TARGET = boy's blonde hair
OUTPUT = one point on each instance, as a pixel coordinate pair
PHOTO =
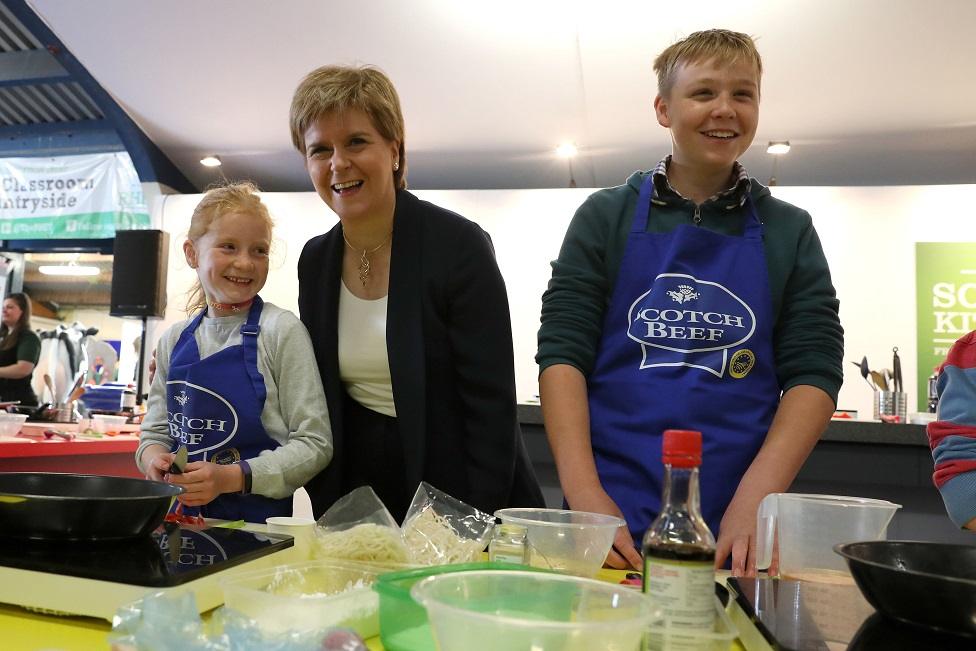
(222, 200)
(723, 45)
(336, 88)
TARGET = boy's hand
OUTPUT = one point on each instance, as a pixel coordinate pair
(737, 537)
(623, 555)
(203, 481)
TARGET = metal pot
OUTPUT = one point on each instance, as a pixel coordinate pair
(923, 583)
(57, 506)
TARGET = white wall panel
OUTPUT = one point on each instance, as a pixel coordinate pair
(868, 233)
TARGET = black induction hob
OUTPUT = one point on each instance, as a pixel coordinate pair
(807, 616)
(149, 561)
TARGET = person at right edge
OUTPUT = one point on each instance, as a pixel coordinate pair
(952, 436)
(690, 298)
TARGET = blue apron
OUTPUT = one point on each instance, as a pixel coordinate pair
(687, 344)
(214, 408)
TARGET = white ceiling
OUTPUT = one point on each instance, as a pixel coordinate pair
(869, 92)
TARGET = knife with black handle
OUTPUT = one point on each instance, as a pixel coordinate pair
(896, 369)
(179, 461)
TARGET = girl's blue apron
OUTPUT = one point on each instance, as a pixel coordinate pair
(214, 407)
(687, 344)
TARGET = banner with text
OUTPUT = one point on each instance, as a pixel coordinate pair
(945, 285)
(70, 197)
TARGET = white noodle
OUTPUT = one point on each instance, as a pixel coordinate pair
(364, 542)
(433, 541)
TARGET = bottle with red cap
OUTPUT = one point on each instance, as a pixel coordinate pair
(679, 550)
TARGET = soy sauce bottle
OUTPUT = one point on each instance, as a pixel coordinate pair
(679, 550)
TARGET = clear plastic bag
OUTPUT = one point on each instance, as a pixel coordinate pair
(440, 529)
(165, 623)
(359, 528)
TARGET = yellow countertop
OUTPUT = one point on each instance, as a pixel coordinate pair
(24, 630)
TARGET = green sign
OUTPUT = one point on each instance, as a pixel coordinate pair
(89, 196)
(945, 284)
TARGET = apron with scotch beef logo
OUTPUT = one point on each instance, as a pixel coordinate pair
(687, 344)
(214, 408)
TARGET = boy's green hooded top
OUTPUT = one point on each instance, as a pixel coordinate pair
(808, 339)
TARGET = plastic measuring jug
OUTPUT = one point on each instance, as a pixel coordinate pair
(806, 528)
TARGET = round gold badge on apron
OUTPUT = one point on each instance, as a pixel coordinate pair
(741, 363)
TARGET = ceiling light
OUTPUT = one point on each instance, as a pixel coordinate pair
(778, 147)
(68, 270)
(566, 150)
(210, 161)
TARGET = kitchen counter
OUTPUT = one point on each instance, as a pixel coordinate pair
(853, 457)
(29, 451)
(838, 430)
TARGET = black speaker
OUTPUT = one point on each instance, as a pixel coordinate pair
(139, 273)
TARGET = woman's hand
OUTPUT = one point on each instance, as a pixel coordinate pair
(202, 481)
(623, 554)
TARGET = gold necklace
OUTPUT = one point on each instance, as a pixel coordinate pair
(364, 265)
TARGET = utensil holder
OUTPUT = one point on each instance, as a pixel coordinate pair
(66, 413)
(891, 406)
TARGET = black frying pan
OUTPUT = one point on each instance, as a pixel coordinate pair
(56, 506)
(924, 583)
(42, 412)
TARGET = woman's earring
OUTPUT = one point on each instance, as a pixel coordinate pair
(396, 165)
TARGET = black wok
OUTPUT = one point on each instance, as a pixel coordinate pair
(56, 506)
(923, 583)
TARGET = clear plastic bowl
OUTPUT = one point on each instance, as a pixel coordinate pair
(10, 424)
(491, 610)
(575, 542)
(307, 597)
(404, 625)
(106, 424)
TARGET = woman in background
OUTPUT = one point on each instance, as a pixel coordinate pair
(408, 315)
(20, 348)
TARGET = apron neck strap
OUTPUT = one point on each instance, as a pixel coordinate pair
(249, 348)
(643, 205)
(752, 230)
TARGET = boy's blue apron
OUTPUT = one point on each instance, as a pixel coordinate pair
(214, 408)
(687, 344)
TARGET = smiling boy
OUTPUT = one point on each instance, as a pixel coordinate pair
(695, 245)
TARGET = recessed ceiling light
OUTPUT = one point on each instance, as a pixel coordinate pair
(67, 270)
(566, 150)
(778, 147)
(210, 161)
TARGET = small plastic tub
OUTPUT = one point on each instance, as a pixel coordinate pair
(662, 638)
(307, 597)
(403, 622)
(10, 424)
(491, 610)
(574, 542)
(106, 424)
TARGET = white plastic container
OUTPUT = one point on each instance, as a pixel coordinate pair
(307, 597)
(107, 424)
(301, 529)
(489, 610)
(574, 542)
(10, 424)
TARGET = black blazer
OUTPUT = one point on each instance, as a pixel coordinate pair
(449, 340)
